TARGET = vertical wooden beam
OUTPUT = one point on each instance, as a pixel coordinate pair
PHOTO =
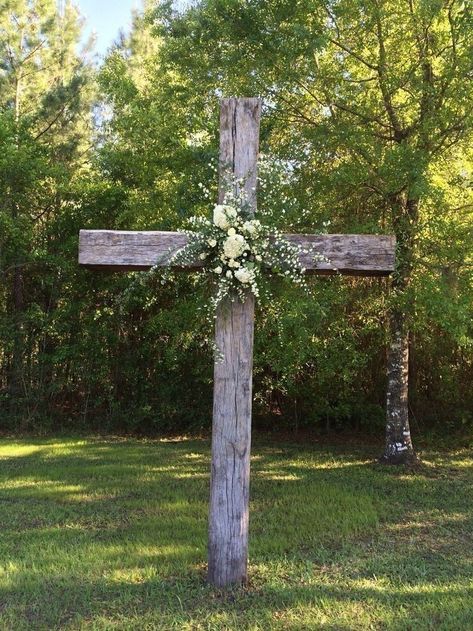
(231, 428)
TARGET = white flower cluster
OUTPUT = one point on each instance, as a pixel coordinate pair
(234, 245)
(235, 252)
(236, 249)
(223, 216)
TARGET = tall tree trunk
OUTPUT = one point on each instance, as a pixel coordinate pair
(398, 446)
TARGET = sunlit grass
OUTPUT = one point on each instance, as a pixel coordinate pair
(111, 534)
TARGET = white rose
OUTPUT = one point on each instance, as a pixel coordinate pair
(218, 215)
(234, 246)
(231, 232)
(244, 275)
(230, 212)
(212, 242)
(202, 256)
(223, 215)
(218, 270)
(251, 226)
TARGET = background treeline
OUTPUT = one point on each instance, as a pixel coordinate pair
(367, 113)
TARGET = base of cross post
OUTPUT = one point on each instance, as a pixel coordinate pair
(231, 444)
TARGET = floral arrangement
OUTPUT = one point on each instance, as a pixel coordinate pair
(236, 249)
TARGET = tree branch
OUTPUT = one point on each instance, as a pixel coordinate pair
(52, 122)
(399, 133)
(353, 54)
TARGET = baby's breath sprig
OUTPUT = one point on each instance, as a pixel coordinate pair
(235, 250)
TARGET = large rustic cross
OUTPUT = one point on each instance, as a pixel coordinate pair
(360, 255)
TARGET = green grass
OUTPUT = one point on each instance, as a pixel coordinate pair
(111, 534)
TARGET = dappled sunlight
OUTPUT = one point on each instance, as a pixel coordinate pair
(278, 476)
(39, 488)
(17, 450)
(429, 519)
(435, 532)
(171, 468)
(305, 462)
(385, 587)
(112, 530)
(131, 575)
(178, 439)
(179, 505)
(194, 457)
(461, 459)
(191, 476)
(330, 464)
(150, 548)
(355, 604)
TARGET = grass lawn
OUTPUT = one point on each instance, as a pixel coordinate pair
(111, 534)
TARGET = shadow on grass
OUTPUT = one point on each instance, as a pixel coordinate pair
(102, 530)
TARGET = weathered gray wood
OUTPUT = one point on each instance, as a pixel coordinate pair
(125, 250)
(355, 254)
(231, 443)
(361, 255)
(351, 254)
(231, 427)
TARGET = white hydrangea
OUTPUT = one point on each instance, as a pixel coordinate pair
(234, 246)
(245, 275)
(223, 216)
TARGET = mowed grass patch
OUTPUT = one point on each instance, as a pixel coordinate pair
(112, 534)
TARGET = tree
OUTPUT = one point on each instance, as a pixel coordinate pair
(378, 94)
(44, 122)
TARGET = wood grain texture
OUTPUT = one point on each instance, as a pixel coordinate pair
(120, 250)
(125, 250)
(234, 330)
(115, 250)
(231, 444)
(239, 147)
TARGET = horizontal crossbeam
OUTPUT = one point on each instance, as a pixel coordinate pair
(123, 250)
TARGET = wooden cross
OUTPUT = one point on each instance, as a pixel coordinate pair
(359, 255)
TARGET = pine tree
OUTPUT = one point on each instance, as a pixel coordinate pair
(44, 123)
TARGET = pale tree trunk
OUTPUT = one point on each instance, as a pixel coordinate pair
(398, 446)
